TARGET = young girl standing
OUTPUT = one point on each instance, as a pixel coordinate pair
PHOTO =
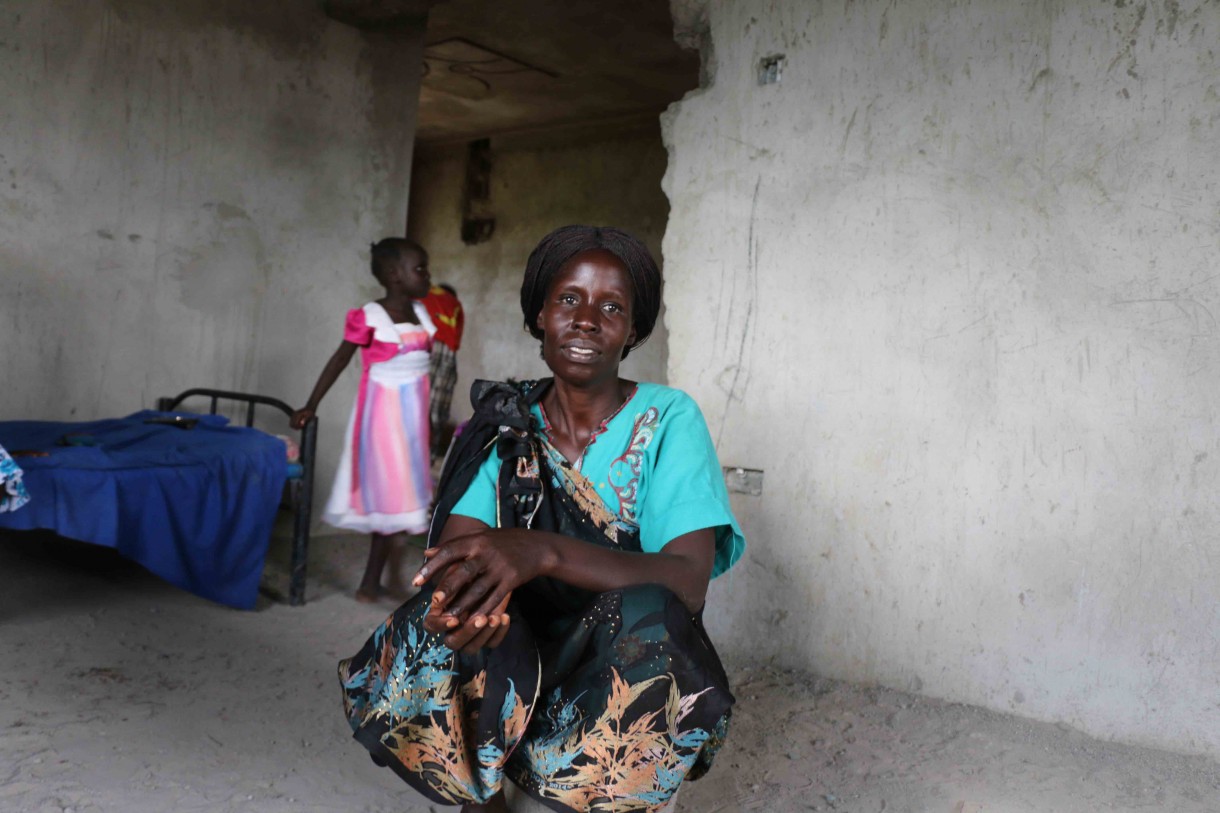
(383, 485)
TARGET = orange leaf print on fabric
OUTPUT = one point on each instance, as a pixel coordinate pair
(623, 767)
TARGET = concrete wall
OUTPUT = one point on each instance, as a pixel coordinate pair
(952, 283)
(610, 176)
(188, 193)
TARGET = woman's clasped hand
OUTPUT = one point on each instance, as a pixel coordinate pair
(475, 574)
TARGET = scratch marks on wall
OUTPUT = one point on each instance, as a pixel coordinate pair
(847, 132)
(884, 29)
(734, 378)
(1041, 76)
(1170, 315)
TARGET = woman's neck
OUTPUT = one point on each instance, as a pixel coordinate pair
(576, 413)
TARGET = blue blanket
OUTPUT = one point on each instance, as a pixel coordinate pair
(195, 506)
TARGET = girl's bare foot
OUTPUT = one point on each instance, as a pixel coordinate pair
(370, 584)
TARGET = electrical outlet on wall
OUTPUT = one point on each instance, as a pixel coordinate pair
(743, 481)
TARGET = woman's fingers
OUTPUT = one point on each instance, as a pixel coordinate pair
(435, 621)
(499, 619)
(479, 641)
(448, 573)
(479, 630)
(473, 595)
(493, 604)
(437, 558)
(470, 636)
(455, 580)
(501, 630)
(447, 555)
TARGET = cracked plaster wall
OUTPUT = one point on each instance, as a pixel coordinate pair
(952, 283)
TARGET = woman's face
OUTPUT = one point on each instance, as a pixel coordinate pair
(586, 318)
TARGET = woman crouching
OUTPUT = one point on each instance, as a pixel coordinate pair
(557, 639)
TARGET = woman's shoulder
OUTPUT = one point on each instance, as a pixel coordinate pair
(667, 400)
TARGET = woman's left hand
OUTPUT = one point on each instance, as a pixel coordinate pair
(477, 572)
(477, 632)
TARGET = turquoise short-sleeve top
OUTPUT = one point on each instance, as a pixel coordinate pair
(654, 466)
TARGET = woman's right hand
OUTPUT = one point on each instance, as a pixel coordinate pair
(301, 417)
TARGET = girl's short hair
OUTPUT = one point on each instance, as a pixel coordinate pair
(390, 250)
(561, 245)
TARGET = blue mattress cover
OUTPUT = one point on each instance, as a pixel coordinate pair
(194, 506)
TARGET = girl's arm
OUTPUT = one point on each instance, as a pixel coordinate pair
(337, 364)
(479, 567)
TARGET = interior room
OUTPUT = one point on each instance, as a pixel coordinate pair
(939, 276)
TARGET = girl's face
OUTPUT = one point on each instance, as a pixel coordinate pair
(410, 273)
(586, 318)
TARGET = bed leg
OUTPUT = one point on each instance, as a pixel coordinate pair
(304, 506)
(300, 548)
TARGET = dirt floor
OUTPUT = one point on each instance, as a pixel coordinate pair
(121, 693)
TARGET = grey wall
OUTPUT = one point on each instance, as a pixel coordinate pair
(188, 192)
(539, 182)
(952, 283)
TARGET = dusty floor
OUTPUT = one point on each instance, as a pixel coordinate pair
(120, 693)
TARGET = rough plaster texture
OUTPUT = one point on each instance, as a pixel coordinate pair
(952, 284)
(539, 183)
(188, 192)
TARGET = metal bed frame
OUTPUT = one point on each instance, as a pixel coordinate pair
(300, 489)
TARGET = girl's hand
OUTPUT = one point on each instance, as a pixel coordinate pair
(477, 572)
(301, 417)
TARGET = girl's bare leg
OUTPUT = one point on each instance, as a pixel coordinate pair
(370, 586)
(396, 583)
(495, 804)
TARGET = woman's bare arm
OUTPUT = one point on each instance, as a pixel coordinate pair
(475, 568)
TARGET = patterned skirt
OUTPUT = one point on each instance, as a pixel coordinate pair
(607, 710)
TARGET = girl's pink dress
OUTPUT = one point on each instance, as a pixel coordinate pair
(384, 481)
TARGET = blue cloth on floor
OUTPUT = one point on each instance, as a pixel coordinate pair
(194, 506)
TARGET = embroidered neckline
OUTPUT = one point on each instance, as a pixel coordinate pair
(600, 430)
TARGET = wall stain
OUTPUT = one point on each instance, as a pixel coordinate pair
(1129, 37)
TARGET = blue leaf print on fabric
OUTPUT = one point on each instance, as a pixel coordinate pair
(357, 680)
(491, 764)
(548, 756)
(691, 739)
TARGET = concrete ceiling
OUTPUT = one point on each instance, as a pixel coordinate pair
(497, 66)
